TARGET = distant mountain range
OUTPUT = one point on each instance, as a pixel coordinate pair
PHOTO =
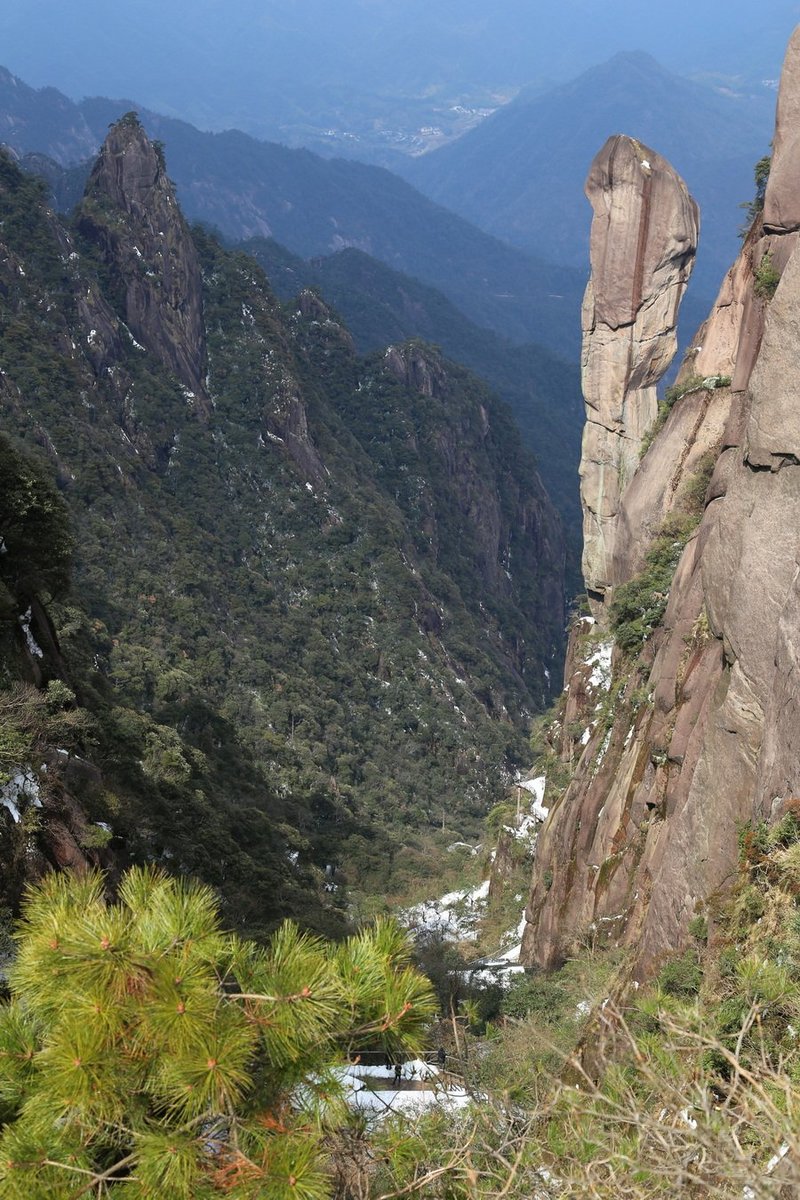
(365, 76)
(316, 206)
(520, 174)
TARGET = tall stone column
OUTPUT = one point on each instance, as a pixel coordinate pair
(643, 244)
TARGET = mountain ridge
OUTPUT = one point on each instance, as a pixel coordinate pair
(519, 175)
(313, 602)
(312, 205)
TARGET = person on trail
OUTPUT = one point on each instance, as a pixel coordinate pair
(398, 1074)
(441, 1057)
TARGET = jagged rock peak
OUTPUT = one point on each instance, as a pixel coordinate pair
(646, 836)
(417, 366)
(131, 211)
(644, 232)
(130, 171)
(643, 243)
(782, 199)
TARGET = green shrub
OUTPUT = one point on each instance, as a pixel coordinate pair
(35, 526)
(767, 278)
(681, 977)
(753, 208)
(540, 995)
(787, 830)
(639, 605)
(678, 390)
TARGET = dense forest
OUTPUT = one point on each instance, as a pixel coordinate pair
(315, 598)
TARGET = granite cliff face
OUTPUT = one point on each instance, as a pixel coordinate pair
(696, 733)
(643, 243)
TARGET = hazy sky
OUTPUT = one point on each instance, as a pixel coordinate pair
(215, 61)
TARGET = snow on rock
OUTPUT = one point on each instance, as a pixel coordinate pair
(536, 787)
(600, 662)
(499, 969)
(377, 1097)
(21, 788)
(454, 916)
(30, 640)
(494, 973)
(514, 936)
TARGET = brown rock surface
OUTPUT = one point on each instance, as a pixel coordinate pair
(782, 200)
(647, 831)
(643, 242)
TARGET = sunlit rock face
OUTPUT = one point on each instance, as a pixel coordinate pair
(704, 735)
(782, 202)
(643, 244)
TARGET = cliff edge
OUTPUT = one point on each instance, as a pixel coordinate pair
(696, 734)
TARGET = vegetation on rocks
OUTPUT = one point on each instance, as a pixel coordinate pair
(756, 206)
(638, 606)
(310, 615)
(588, 1086)
(767, 277)
(692, 383)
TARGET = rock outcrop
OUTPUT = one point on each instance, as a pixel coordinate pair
(782, 202)
(130, 211)
(643, 243)
(704, 730)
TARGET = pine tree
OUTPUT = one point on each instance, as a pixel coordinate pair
(146, 1053)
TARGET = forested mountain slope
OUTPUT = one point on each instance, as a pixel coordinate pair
(316, 597)
(380, 305)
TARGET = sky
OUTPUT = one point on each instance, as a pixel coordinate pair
(257, 63)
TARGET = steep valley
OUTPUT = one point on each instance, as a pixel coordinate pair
(315, 598)
(282, 609)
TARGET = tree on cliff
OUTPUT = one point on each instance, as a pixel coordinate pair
(146, 1053)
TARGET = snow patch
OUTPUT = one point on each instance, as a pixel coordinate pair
(22, 786)
(536, 787)
(600, 662)
(377, 1098)
(33, 646)
(454, 916)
